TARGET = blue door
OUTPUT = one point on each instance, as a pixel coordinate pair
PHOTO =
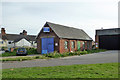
(44, 45)
(47, 45)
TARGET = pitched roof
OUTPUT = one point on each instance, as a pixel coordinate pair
(68, 32)
(20, 39)
(16, 37)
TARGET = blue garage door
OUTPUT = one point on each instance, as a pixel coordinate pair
(47, 45)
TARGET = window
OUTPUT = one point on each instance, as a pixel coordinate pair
(83, 45)
(46, 29)
(9, 42)
(88, 45)
(32, 42)
(1, 42)
(73, 44)
(66, 44)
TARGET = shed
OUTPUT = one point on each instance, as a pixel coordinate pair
(108, 39)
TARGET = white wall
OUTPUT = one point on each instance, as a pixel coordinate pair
(23, 42)
(10, 45)
(4, 44)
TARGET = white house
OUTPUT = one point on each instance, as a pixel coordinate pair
(22, 42)
(17, 40)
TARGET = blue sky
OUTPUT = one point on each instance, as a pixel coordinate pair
(87, 15)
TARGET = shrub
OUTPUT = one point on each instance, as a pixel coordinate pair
(75, 53)
(15, 49)
(57, 55)
(52, 55)
(37, 57)
(71, 54)
(64, 54)
(96, 50)
(4, 48)
(9, 54)
(49, 55)
(31, 51)
(78, 52)
(83, 52)
(42, 57)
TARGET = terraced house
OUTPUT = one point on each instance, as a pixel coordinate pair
(60, 38)
(16, 40)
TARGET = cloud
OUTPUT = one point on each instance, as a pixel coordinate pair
(85, 15)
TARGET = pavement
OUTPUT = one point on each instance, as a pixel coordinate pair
(102, 57)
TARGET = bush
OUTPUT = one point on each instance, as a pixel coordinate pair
(78, 52)
(52, 55)
(96, 50)
(15, 49)
(37, 57)
(4, 48)
(83, 52)
(64, 54)
(71, 54)
(9, 54)
(31, 51)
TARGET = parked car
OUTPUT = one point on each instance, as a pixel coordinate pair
(21, 51)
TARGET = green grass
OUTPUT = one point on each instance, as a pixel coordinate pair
(34, 51)
(106, 70)
(29, 51)
(96, 50)
(46, 56)
(6, 54)
(24, 58)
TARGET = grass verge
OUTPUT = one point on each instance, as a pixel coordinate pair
(24, 58)
(7, 54)
(50, 55)
(96, 50)
(105, 70)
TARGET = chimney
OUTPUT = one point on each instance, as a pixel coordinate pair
(102, 28)
(24, 32)
(3, 31)
(20, 33)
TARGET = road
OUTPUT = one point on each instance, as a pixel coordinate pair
(102, 57)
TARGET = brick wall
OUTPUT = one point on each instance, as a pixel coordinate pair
(97, 40)
(39, 45)
(62, 47)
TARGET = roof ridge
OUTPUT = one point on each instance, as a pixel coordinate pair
(63, 25)
(63, 31)
(108, 29)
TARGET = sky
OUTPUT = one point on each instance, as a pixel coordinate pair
(31, 16)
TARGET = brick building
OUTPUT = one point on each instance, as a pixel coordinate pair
(55, 37)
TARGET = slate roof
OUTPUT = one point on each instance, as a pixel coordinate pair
(20, 39)
(68, 32)
(17, 37)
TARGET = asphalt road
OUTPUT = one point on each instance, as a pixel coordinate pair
(102, 57)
